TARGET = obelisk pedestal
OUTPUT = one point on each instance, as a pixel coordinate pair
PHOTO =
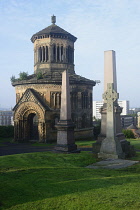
(110, 146)
(65, 127)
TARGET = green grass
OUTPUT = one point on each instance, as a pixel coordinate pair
(60, 181)
(85, 143)
(135, 142)
(36, 144)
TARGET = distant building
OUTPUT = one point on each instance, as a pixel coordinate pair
(134, 110)
(98, 104)
(127, 120)
(125, 105)
(96, 109)
(6, 117)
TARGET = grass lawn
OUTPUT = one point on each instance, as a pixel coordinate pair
(135, 142)
(60, 181)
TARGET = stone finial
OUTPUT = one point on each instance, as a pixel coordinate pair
(53, 18)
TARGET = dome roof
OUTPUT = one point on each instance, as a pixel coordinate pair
(53, 31)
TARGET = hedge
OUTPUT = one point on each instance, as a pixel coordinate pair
(7, 131)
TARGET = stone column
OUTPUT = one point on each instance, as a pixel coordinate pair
(110, 147)
(39, 58)
(65, 127)
(50, 53)
(37, 55)
(34, 56)
(64, 54)
(15, 130)
(41, 131)
(46, 58)
(60, 53)
(42, 54)
(45, 54)
(79, 100)
(56, 53)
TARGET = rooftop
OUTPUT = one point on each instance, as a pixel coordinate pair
(53, 31)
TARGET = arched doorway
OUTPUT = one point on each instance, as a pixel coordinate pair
(33, 126)
(29, 122)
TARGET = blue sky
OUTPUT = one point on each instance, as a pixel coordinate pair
(99, 25)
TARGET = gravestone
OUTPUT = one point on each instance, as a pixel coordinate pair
(110, 146)
(65, 127)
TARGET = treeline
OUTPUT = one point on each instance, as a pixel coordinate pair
(7, 131)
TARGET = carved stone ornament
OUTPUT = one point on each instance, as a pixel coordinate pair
(110, 96)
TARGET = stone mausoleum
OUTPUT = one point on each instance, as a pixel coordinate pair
(38, 97)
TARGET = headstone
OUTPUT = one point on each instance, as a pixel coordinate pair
(65, 127)
(110, 147)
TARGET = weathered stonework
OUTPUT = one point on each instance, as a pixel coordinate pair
(110, 146)
(38, 100)
(110, 77)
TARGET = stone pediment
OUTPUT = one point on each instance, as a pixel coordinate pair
(30, 95)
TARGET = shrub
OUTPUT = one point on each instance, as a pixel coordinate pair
(39, 75)
(23, 75)
(128, 134)
(13, 79)
(97, 128)
(7, 131)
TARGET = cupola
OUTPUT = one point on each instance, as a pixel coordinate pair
(53, 49)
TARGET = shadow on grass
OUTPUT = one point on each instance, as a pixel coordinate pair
(30, 185)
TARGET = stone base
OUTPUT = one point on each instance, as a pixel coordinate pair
(119, 136)
(107, 156)
(72, 148)
(96, 147)
(127, 149)
(111, 148)
(112, 164)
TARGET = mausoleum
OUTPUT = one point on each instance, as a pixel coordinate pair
(38, 97)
